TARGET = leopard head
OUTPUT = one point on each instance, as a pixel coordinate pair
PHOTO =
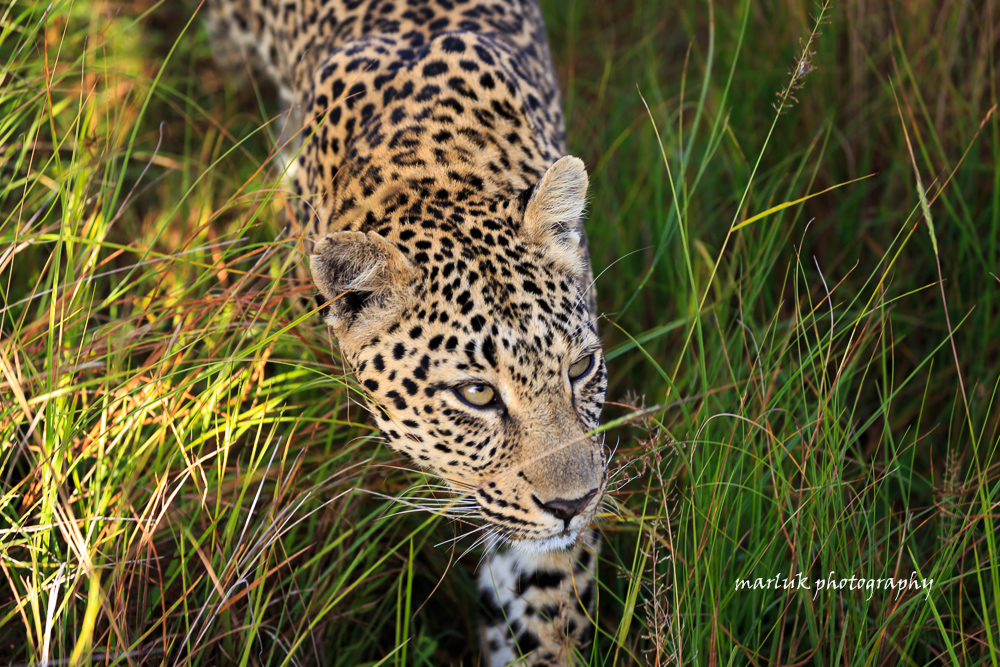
(477, 352)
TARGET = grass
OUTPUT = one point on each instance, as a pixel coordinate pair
(184, 477)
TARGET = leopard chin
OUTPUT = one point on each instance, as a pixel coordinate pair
(563, 540)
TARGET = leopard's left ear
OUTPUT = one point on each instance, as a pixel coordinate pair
(554, 210)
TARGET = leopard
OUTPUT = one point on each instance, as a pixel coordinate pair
(443, 220)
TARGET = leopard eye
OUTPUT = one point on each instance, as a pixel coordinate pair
(580, 367)
(477, 395)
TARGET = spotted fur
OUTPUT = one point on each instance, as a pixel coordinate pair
(448, 251)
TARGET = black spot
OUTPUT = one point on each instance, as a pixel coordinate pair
(396, 399)
(587, 597)
(398, 351)
(453, 45)
(453, 104)
(490, 606)
(355, 94)
(435, 342)
(525, 197)
(550, 611)
(539, 579)
(427, 93)
(410, 385)
(378, 362)
(477, 322)
(415, 332)
(583, 563)
(527, 642)
(531, 287)
(438, 25)
(435, 68)
(371, 385)
(489, 352)
(484, 55)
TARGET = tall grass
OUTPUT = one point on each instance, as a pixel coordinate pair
(186, 478)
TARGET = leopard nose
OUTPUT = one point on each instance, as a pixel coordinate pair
(565, 510)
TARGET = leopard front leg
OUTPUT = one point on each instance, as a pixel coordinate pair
(538, 607)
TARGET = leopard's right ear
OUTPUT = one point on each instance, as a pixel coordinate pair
(356, 273)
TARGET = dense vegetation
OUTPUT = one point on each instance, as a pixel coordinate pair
(184, 474)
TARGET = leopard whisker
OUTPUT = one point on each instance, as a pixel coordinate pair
(440, 487)
(463, 535)
(597, 277)
(453, 499)
(454, 502)
(421, 507)
(614, 486)
(605, 508)
(485, 538)
(437, 504)
(446, 515)
(451, 513)
(621, 470)
(491, 540)
(431, 486)
(613, 451)
(592, 320)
